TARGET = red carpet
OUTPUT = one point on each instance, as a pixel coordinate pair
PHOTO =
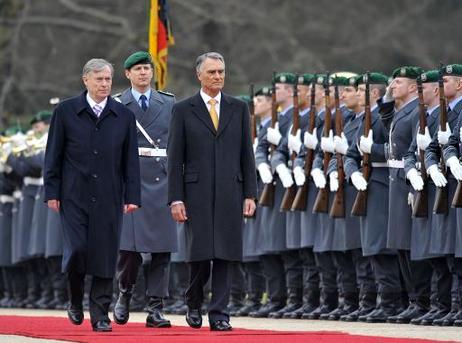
(60, 328)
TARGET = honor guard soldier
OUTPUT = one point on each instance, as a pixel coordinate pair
(150, 230)
(422, 223)
(374, 223)
(443, 236)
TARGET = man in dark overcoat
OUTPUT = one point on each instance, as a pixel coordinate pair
(151, 229)
(92, 177)
(211, 185)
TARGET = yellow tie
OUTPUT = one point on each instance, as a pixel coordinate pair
(213, 113)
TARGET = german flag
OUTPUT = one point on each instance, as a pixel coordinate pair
(160, 37)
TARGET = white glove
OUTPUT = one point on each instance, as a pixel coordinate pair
(299, 176)
(388, 97)
(365, 143)
(318, 178)
(410, 199)
(443, 136)
(284, 175)
(274, 136)
(327, 143)
(359, 181)
(265, 173)
(341, 144)
(423, 141)
(333, 181)
(415, 179)
(310, 140)
(438, 178)
(456, 167)
(6, 149)
(460, 134)
(295, 142)
(255, 144)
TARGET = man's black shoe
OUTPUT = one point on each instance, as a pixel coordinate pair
(220, 325)
(447, 320)
(323, 309)
(156, 319)
(414, 313)
(457, 319)
(298, 313)
(380, 315)
(102, 326)
(194, 318)
(246, 309)
(75, 315)
(286, 309)
(354, 316)
(121, 309)
(265, 310)
(431, 316)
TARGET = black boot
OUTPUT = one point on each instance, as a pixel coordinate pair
(388, 307)
(329, 303)
(121, 311)
(367, 303)
(310, 303)
(294, 302)
(266, 309)
(350, 305)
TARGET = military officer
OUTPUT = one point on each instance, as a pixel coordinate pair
(151, 229)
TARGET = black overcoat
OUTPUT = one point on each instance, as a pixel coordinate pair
(211, 172)
(92, 167)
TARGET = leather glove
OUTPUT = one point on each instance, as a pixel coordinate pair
(415, 179)
(284, 175)
(274, 136)
(295, 142)
(443, 136)
(423, 141)
(318, 178)
(359, 181)
(265, 173)
(255, 144)
(299, 176)
(310, 140)
(455, 166)
(327, 143)
(438, 178)
(341, 144)
(365, 143)
(333, 181)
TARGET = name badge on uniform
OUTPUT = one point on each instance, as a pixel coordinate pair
(160, 152)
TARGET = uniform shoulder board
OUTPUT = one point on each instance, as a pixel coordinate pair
(166, 93)
(117, 96)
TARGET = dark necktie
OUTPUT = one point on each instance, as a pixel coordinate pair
(144, 104)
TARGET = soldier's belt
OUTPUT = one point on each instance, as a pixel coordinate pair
(379, 164)
(35, 181)
(396, 164)
(6, 198)
(150, 152)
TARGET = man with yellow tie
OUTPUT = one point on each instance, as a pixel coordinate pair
(212, 185)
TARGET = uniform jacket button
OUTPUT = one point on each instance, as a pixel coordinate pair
(157, 179)
(93, 199)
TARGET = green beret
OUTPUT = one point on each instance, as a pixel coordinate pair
(244, 98)
(407, 72)
(288, 78)
(453, 70)
(139, 57)
(42, 116)
(321, 79)
(341, 81)
(374, 79)
(430, 76)
(265, 90)
(306, 79)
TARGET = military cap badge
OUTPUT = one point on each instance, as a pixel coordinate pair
(403, 72)
(449, 69)
(282, 79)
(423, 77)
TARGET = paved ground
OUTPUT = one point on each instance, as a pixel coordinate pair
(389, 330)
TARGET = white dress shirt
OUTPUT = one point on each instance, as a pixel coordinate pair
(92, 103)
(206, 99)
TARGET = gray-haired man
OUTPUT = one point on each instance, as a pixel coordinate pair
(91, 177)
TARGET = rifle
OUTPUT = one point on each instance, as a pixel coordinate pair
(289, 194)
(299, 203)
(360, 205)
(321, 203)
(267, 195)
(441, 197)
(420, 208)
(338, 206)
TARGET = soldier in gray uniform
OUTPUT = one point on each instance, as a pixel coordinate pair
(422, 226)
(443, 233)
(282, 163)
(451, 156)
(273, 221)
(374, 225)
(151, 229)
(401, 122)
